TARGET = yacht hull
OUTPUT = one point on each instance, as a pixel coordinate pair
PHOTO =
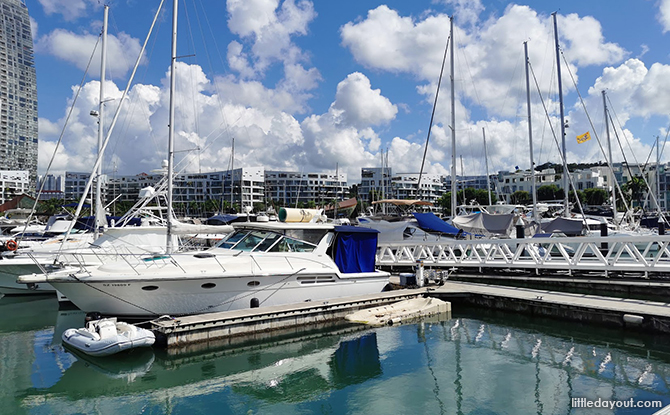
(189, 295)
(10, 269)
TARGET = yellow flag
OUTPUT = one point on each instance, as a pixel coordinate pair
(583, 138)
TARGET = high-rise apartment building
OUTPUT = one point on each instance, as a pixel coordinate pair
(18, 90)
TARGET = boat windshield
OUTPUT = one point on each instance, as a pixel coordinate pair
(264, 241)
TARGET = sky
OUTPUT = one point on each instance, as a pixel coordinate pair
(320, 86)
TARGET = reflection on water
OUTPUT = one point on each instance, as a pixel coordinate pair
(477, 362)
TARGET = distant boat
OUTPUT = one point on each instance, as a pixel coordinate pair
(345, 208)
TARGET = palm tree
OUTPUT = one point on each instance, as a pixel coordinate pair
(634, 188)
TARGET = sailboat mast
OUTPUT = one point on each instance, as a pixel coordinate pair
(454, 184)
(560, 99)
(383, 181)
(486, 160)
(337, 186)
(99, 214)
(465, 201)
(232, 176)
(611, 161)
(170, 169)
(530, 134)
(658, 164)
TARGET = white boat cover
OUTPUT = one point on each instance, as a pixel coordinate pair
(485, 223)
(107, 336)
(390, 232)
(568, 226)
(180, 228)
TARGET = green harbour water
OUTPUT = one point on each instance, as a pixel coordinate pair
(474, 362)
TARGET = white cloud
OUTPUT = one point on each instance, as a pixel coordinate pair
(238, 60)
(69, 9)
(261, 118)
(34, 27)
(638, 91)
(122, 50)
(468, 11)
(385, 40)
(344, 135)
(255, 94)
(643, 51)
(264, 134)
(488, 55)
(268, 27)
(664, 14)
(47, 127)
(251, 17)
(357, 105)
(297, 78)
(585, 41)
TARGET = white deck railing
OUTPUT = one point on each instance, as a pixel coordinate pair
(607, 254)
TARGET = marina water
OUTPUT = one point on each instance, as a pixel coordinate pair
(474, 362)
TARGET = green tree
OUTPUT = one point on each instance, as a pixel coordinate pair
(374, 195)
(580, 195)
(444, 202)
(550, 192)
(520, 197)
(122, 207)
(634, 189)
(50, 207)
(210, 207)
(480, 196)
(595, 196)
(353, 191)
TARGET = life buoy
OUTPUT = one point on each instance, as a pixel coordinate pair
(11, 245)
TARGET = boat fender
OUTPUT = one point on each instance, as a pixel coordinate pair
(255, 303)
(11, 245)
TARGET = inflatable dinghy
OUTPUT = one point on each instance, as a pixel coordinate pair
(107, 336)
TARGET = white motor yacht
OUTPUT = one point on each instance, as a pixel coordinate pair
(259, 264)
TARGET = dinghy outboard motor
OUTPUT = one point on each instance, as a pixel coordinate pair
(93, 315)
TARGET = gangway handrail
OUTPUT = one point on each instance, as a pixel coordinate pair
(624, 253)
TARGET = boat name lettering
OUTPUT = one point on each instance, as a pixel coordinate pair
(116, 285)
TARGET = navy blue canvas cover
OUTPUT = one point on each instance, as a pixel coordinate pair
(431, 223)
(355, 249)
(87, 223)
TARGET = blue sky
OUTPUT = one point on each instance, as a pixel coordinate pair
(305, 85)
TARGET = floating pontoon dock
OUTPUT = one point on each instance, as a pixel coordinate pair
(611, 311)
(257, 321)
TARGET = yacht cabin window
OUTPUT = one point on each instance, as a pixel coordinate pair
(266, 241)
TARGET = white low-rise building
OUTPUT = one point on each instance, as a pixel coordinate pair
(14, 183)
(289, 187)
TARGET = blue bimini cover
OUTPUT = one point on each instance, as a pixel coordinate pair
(221, 219)
(87, 223)
(431, 223)
(355, 249)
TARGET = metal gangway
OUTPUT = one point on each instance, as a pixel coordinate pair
(617, 254)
